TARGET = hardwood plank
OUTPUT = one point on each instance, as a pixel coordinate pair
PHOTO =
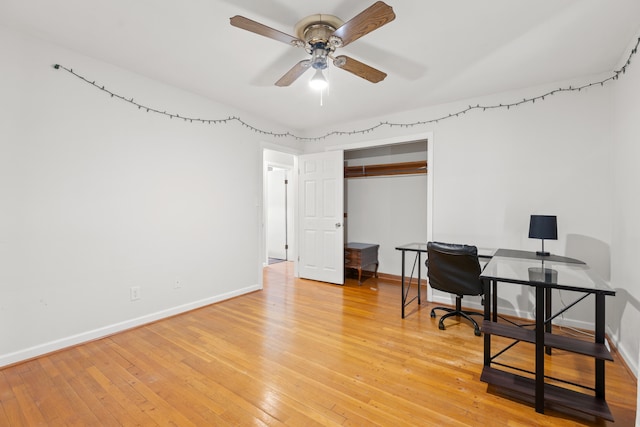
(29, 410)
(297, 353)
(159, 379)
(10, 413)
(85, 395)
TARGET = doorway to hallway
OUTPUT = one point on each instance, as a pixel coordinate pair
(277, 215)
(278, 199)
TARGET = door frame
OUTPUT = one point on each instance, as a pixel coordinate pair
(261, 199)
(370, 143)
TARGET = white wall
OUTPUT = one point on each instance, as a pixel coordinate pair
(389, 211)
(494, 168)
(97, 197)
(625, 275)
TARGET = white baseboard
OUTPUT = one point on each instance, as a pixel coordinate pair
(59, 344)
(629, 357)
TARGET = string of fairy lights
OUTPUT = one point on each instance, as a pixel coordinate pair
(614, 76)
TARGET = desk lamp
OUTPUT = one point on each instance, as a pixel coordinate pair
(543, 227)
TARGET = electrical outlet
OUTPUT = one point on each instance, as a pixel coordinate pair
(177, 284)
(135, 293)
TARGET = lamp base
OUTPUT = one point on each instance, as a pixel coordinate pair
(542, 253)
(543, 275)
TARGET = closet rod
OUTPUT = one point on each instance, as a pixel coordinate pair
(388, 169)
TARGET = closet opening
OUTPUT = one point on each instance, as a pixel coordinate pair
(385, 199)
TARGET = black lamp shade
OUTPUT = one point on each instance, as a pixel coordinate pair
(543, 227)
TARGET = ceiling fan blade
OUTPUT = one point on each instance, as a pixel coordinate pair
(359, 69)
(295, 72)
(372, 18)
(263, 30)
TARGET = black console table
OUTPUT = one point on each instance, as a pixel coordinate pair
(545, 274)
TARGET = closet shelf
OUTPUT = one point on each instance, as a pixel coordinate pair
(389, 169)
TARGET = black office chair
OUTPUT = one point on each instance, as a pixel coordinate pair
(455, 269)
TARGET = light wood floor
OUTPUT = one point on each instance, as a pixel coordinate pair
(299, 353)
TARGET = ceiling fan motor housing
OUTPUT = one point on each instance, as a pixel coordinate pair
(317, 36)
(319, 54)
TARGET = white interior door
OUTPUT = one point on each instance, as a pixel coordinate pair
(321, 214)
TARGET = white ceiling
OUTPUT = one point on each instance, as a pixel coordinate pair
(435, 51)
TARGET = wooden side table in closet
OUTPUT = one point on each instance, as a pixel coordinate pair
(361, 255)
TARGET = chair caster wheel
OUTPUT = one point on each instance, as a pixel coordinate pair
(433, 314)
(477, 332)
(441, 326)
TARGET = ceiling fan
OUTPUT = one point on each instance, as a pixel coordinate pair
(320, 36)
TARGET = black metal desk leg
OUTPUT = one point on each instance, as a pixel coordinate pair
(600, 320)
(494, 303)
(419, 270)
(547, 314)
(487, 317)
(540, 309)
(403, 299)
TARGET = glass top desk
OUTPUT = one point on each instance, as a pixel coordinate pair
(418, 249)
(544, 274)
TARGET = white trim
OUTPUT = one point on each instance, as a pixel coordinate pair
(281, 148)
(296, 220)
(380, 142)
(430, 187)
(70, 341)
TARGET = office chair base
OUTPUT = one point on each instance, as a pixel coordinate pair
(456, 312)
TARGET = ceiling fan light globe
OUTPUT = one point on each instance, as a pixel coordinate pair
(318, 81)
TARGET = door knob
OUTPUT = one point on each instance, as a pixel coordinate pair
(338, 225)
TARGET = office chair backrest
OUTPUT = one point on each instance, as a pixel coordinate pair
(454, 268)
